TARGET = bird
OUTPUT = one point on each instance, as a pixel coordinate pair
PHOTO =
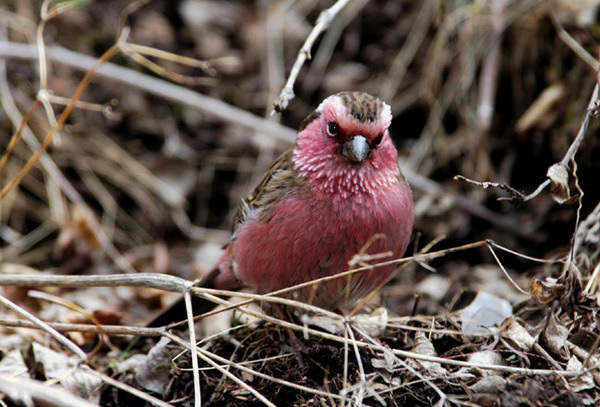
(337, 191)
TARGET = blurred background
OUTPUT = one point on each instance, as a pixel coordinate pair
(492, 90)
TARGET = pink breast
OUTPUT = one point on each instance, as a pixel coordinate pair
(308, 238)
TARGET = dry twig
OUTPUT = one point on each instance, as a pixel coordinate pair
(323, 22)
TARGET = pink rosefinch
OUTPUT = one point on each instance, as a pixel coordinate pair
(317, 206)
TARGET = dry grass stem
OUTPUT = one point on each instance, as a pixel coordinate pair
(45, 327)
(155, 87)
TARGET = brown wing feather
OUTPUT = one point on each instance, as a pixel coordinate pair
(277, 181)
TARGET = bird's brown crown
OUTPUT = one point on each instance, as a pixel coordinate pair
(361, 106)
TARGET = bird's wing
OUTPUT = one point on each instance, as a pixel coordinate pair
(277, 182)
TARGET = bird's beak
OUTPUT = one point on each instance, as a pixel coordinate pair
(356, 149)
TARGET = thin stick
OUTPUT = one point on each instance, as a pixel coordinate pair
(153, 280)
(60, 338)
(323, 22)
(571, 42)
(346, 356)
(203, 354)
(514, 283)
(361, 369)
(194, 356)
(429, 186)
(524, 256)
(127, 388)
(592, 109)
(61, 121)
(17, 135)
(243, 368)
(86, 328)
(594, 277)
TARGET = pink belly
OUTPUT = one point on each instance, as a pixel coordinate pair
(308, 238)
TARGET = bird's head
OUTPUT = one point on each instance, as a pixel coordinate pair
(345, 146)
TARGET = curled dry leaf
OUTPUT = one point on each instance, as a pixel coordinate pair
(490, 384)
(559, 177)
(518, 336)
(555, 336)
(423, 346)
(151, 371)
(83, 225)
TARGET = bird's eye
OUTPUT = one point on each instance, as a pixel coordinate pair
(332, 128)
(377, 140)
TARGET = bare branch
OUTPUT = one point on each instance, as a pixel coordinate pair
(518, 197)
(323, 22)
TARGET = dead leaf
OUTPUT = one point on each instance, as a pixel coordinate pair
(582, 382)
(423, 346)
(12, 364)
(518, 336)
(490, 384)
(486, 390)
(65, 369)
(78, 240)
(559, 178)
(374, 323)
(333, 326)
(151, 371)
(555, 335)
